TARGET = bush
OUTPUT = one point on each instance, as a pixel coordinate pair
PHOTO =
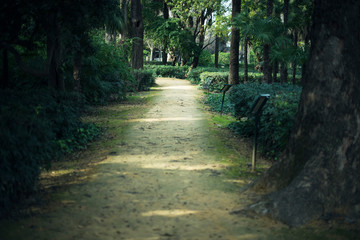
(168, 71)
(213, 81)
(277, 118)
(36, 127)
(223, 59)
(214, 101)
(105, 75)
(144, 79)
(194, 74)
(205, 59)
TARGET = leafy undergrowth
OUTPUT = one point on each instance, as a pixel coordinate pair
(79, 166)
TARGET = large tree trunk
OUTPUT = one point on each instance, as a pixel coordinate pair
(267, 68)
(283, 65)
(137, 30)
(319, 173)
(234, 46)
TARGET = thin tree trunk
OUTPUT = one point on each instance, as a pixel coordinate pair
(294, 63)
(319, 173)
(267, 68)
(166, 17)
(234, 46)
(283, 65)
(246, 66)
(216, 63)
(77, 71)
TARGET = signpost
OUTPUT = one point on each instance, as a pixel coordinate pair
(224, 90)
(256, 111)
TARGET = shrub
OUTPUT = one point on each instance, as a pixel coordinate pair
(223, 59)
(36, 127)
(168, 71)
(205, 59)
(105, 75)
(214, 100)
(277, 118)
(213, 81)
(194, 74)
(144, 79)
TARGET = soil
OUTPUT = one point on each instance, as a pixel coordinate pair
(159, 173)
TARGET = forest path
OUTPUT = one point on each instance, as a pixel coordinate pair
(164, 180)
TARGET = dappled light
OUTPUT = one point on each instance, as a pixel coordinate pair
(169, 213)
(166, 119)
(174, 88)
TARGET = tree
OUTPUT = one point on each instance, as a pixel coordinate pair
(319, 173)
(137, 34)
(283, 67)
(234, 45)
(267, 68)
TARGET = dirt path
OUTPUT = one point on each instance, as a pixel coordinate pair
(164, 181)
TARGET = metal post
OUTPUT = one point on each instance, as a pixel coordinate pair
(257, 118)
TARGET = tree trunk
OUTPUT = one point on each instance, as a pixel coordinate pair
(216, 62)
(54, 49)
(275, 71)
(166, 16)
(246, 66)
(137, 30)
(234, 46)
(319, 173)
(267, 68)
(5, 74)
(77, 71)
(203, 17)
(294, 62)
(283, 65)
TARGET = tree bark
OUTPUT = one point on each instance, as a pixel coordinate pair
(275, 70)
(294, 64)
(267, 68)
(216, 62)
(246, 66)
(54, 49)
(234, 46)
(319, 173)
(137, 30)
(166, 17)
(77, 71)
(283, 65)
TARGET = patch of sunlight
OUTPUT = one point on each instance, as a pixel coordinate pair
(57, 173)
(165, 119)
(181, 167)
(248, 236)
(174, 87)
(169, 213)
(240, 181)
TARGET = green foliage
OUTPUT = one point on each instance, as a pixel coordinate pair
(105, 75)
(36, 127)
(277, 118)
(213, 81)
(223, 59)
(144, 78)
(194, 74)
(168, 71)
(214, 100)
(205, 59)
